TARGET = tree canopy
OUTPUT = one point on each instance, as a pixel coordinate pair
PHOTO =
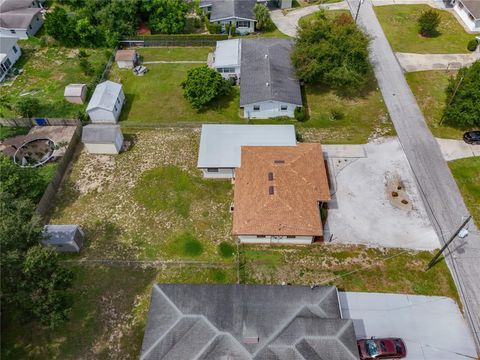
(462, 107)
(428, 23)
(166, 16)
(262, 15)
(332, 51)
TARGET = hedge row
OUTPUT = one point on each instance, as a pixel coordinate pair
(178, 37)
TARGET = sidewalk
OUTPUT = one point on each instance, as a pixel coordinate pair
(411, 62)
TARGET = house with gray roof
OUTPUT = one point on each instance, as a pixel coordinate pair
(233, 12)
(64, 238)
(247, 322)
(10, 52)
(106, 103)
(20, 18)
(469, 12)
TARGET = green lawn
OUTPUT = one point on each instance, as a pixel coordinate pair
(332, 13)
(194, 53)
(10, 131)
(399, 23)
(46, 72)
(467, 174)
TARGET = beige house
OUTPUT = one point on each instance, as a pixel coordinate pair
(75, 93)
(126, 59)
(102, 139)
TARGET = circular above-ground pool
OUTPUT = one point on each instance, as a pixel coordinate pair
(34, 152)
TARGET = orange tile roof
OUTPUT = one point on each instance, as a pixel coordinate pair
(125, 55)
(299, 180)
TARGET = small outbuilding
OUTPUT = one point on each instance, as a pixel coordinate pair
(75, 93)
(126, 59)
(64, 238)
(106, 103)
(102, 139)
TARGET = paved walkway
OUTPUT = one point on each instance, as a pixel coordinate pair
(436, 185)
(420, 62)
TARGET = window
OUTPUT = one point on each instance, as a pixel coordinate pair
(271, 190)
(270, 176)
(7, 64)
(15, 49)
(284, 107)
(118, 100)
(291, 236)
(243, 24)
(260, 236)
(30, 27)
(256, 107)
(13, 31)
(115, 107)
(212, 170)
(226, 70)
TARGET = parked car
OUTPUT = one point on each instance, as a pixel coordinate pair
(472, 137)
(388, 348)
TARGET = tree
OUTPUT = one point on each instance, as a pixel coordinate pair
(428, 23)
(166, 16)
(463, 98)
(262, 15)
(204, 85)
(27, 106)
(61, 26)
(332, 51)
(86, 33)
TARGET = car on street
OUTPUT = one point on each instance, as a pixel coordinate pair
(472, 137)
(381, 348)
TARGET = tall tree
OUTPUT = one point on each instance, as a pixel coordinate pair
(428, 23)
(61, 26)
(166, 16)
(262, 15)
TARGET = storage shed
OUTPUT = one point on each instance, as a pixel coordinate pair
(64, 238)
(106, 103)
(75, 93)
(102, 139)
(126, 59)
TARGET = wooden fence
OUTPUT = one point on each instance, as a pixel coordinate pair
(29, 122)
(172, 40)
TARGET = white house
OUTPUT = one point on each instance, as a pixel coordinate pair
(64, 238)
(9, 54)
(20, 18)
(75, 93)
(469, 12)
(268, 84)
(102, 139)
(220, 145)
(106, 103)
(226, 58)
(126, 59)
(233, 12)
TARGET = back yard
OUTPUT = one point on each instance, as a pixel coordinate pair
(399, 22)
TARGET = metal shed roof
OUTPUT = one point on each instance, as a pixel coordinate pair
(220, 145)
(105, 96)
(60, 234)
(227, 53)
(74, 89)
(100, 134)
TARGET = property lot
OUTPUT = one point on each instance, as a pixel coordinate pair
(399, 22)
(467, 175)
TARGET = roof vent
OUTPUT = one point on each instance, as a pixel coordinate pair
(279, 161)
(267, 84)
(251, 340)
(270, 176)
(266, 56)
(271, 190)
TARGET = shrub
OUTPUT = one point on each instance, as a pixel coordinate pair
(233, 30)
(472, 45)
(226, 250)
(214, 28)
(86, 66)
(227, 28)
(27, 106)
(336, 114)
(300, 114)
(82, 54)
(428, 23)
(264, 22)
(47, 40)
(298, 136)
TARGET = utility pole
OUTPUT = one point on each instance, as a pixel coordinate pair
(358, 9)
(437, 255)
(453, 95)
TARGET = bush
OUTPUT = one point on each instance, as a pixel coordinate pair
(86, 66)
(27, 106)
(82, 54)
(472, 45)
(226, 250)
(428, 23)
(214, 28)
(233, 30)
(300, 114)
(336, 114)
(298, 136)
(227, 29)
(47, 40)
(264, 22)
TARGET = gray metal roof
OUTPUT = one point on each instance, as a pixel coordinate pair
(224, 9)
(473, 7)
(100, 134)
(266, 72)
(227, 53)
(220, 145)
(6, 44)
(247, 322)
(105, 96)
(9, 5)
(74, 89)
(60, 234)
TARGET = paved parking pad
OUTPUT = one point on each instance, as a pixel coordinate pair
(432, 327)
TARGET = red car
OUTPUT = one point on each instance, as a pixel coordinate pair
(389, 348)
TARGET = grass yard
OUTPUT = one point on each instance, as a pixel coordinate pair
(429, 90)
(331, 13)
(46, 72)
(467, 174)
(10, 131)
(399, 23)
(194, 53)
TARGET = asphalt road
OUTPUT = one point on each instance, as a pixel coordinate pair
(435, 182)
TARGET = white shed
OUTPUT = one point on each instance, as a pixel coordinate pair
(106, 103)
(126, 59)
(64, 238)
(102, 139)
(75, 93)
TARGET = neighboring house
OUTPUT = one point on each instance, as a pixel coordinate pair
(9, 54)
(64, 238)
(247, 322)
(106, 103)
(102, 139)
(226, 58)
(220, 145)
(126, 59)
(234, 12)
(469, 12)
(20, 18)
(279, 191)
(75, 93)
(268, 84)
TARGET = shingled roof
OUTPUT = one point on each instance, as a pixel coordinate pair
(473, 7)
(225, 9)
(247, 322)
(267, 72)
(278, 190)
(17, 14)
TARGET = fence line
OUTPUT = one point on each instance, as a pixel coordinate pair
(147, 263)
(29, 122)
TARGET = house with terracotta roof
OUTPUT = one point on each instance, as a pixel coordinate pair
(279, 191)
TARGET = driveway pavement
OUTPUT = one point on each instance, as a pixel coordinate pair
(456, 149)
(421, 62)
(431, 326)
(438, 189)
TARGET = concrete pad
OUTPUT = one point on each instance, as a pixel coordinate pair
(411, 62)
(431, 326)
(361, 211)
(344, 151)
(457, 149)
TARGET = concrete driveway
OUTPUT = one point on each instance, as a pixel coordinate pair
(431, 326)
(421, 62)
(362, 210)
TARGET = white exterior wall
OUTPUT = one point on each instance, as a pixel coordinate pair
(102, 116)
(298, 240)
(19, 33)
(125, 64)
(285, 4)
(228, 75)
(13, 57)
(223, 173)
(242, 30)
(36, 24)
(102, 148)
(464, 15)
(23, 34)
(268, 109)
